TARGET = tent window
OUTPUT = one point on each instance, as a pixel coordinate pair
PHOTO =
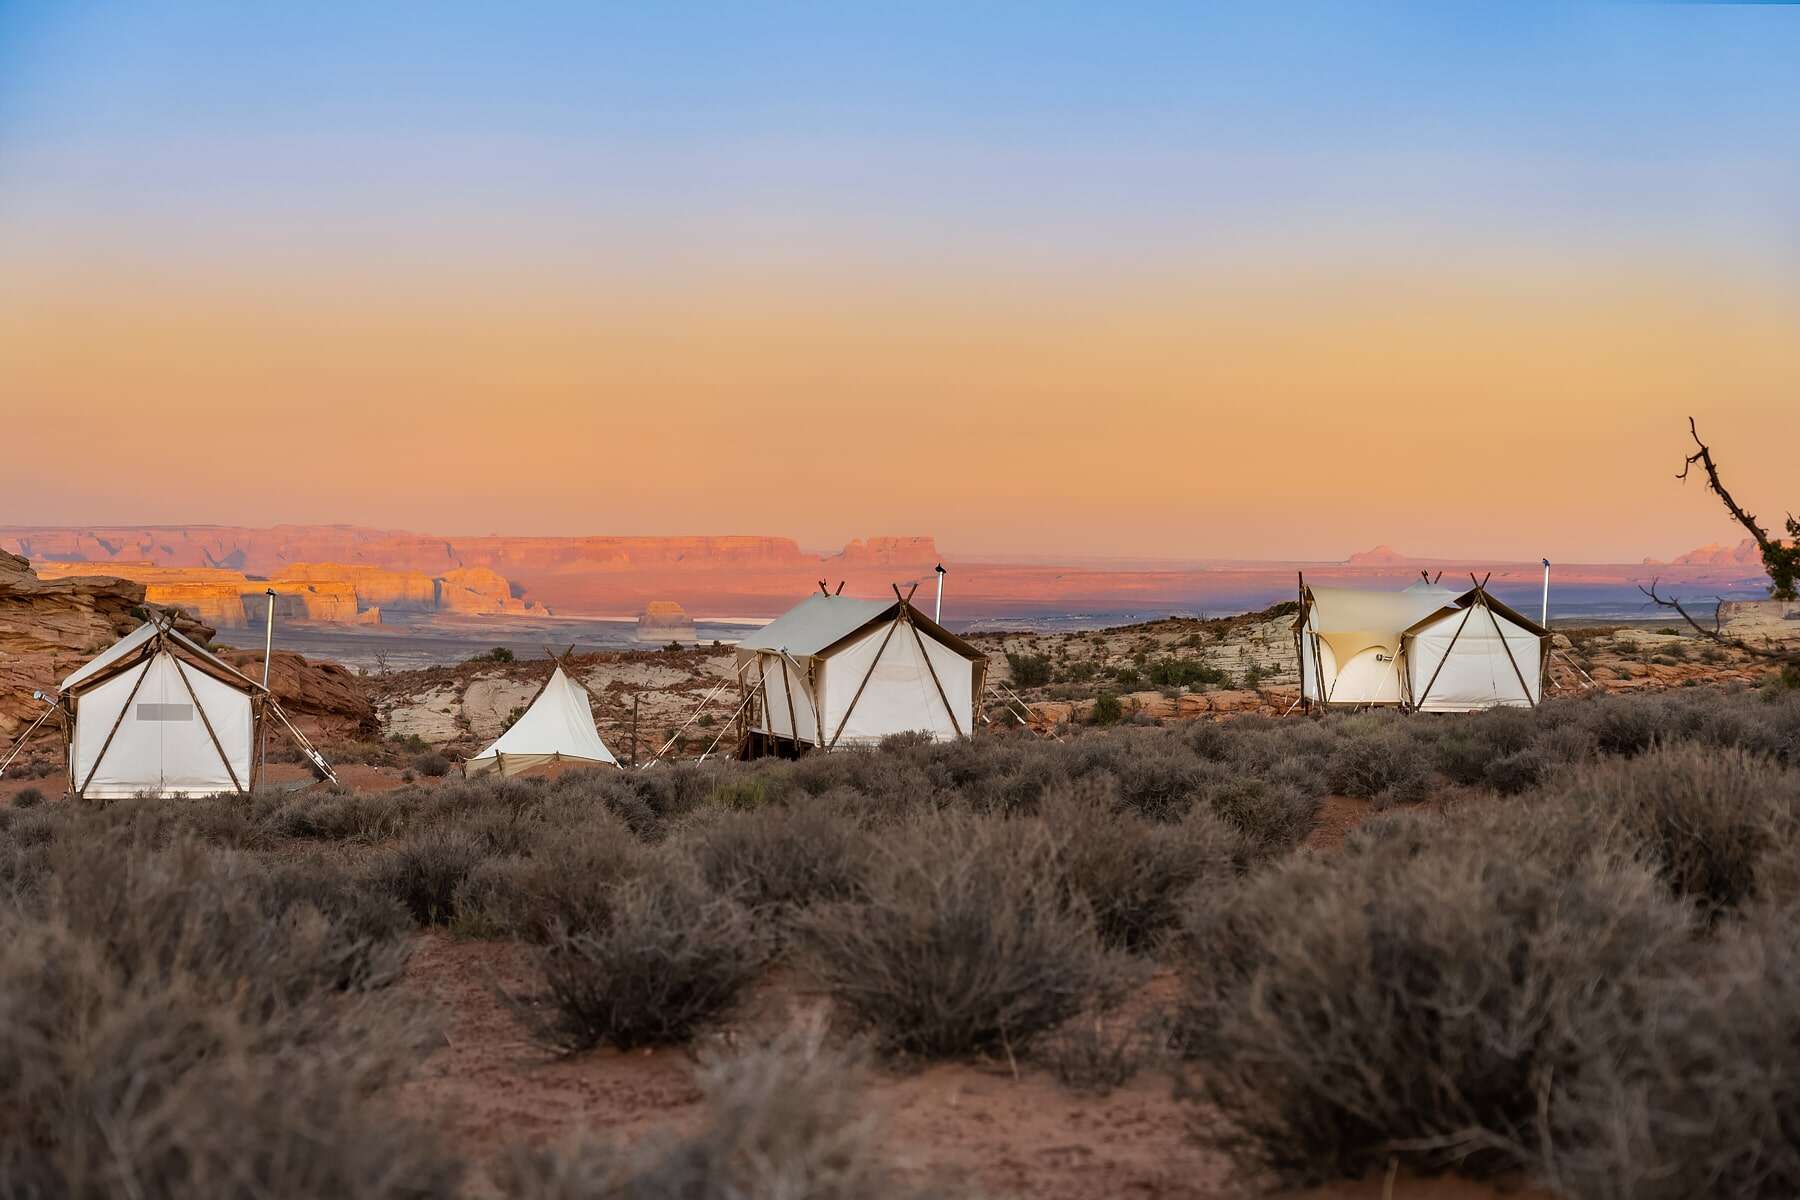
(165, 712)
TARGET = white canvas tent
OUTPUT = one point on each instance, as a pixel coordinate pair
(1348, 641)
(1471, 654)
(836, 671)
(558, 727)
(159, 713)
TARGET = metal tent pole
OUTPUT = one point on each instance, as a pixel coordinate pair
(262, 732)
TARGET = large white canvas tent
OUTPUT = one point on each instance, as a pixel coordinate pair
(1348, 640)
(558, 727)
(1473, 653)
(159, 713)
(837, 671)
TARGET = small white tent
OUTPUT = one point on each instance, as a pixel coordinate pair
(558, 727)
(1474, 653)
(1348, 640)
(159, 713)
(835, 671)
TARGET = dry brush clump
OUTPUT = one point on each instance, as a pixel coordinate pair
(668, 956)
(1413, 1006)
(786, 1120)
(964, 940)
(177, 1020)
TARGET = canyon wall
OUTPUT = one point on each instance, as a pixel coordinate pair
(748, 576)
(50, 626)
(333, 592)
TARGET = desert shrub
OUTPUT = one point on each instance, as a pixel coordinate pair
(1413, 1006)
(564, 884)
(1626, 725)
(1702, 1102)
(424, 871)
(1029, 670)
(785, 1120)
(1156, 775)
(1184, 672)
(779, 860)
(165, 1087)
(1097, 1054)
(358, 816)
(1107, 709)
(1517, 772)
(1465, 751)
(670, 956)
(1131, 872)
(1383, 765)
(431, 764)
(27, 797)
(1272, 817)
(1708, 821)
(965, 940)
(179, 1022)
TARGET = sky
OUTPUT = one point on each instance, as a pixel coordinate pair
(1185, 281)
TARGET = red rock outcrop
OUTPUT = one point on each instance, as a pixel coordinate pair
(476, 590)
(48, 627)
(375, 587)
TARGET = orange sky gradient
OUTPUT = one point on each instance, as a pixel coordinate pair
(1502, 412)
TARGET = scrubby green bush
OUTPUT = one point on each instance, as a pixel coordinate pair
(1029, 670)
(1184, 672)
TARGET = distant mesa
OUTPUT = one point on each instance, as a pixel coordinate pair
(1744, 554)
(1380, 556)
(340, 593)
(664, 621)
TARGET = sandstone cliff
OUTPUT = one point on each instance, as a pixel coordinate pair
(48, 627)
(375, 587)
(476, 590)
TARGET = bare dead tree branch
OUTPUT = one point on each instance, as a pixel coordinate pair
(1781, 561)
(1716, 633)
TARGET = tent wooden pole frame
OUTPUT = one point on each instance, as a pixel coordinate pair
(207, 721)
(1429, 683)
(81, 792)
(906, 611)
(867, 675)
(1481, 598)
(787, 691)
